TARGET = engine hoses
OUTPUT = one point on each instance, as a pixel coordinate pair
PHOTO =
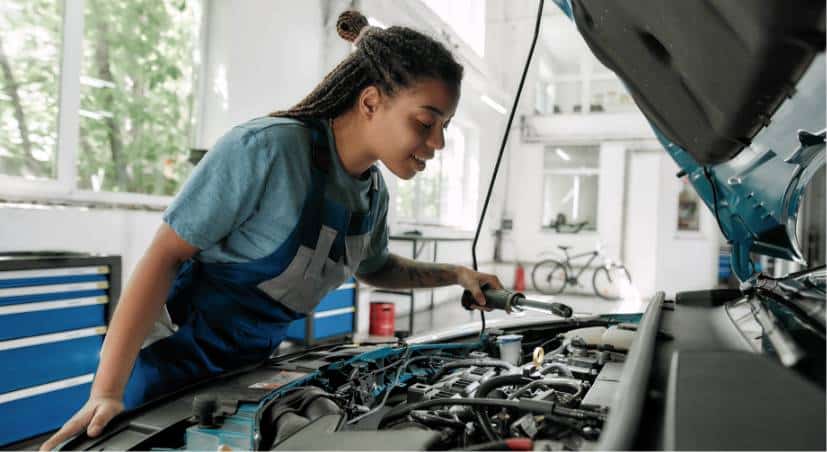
(473, 362)
(487, 387)
(559, 367)
(535, 406)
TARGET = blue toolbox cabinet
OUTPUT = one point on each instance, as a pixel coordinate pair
(39, 360)
(334, 317)
(30, 412)
(54, 308)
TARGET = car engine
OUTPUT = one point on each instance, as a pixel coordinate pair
(554, 395)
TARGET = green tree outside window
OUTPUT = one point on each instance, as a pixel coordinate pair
(139, 67)
(140, 60)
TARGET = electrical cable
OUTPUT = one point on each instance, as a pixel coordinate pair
(388, 389)
(714, 187)
(400, 361)
(502, 147)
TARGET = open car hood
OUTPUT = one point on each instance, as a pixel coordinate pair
(735, 91)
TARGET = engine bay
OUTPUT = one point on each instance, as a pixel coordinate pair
(548, 386)
(581, 384)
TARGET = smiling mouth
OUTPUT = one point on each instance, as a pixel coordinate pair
(421, 162)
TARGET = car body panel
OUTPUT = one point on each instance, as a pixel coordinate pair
(740, 111)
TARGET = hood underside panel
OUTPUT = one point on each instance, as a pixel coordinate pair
(709, 75)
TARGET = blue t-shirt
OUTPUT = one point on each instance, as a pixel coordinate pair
(246, 195)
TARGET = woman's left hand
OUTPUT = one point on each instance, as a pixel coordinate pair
(472, 280)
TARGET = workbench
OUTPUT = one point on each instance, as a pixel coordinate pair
(418, 244)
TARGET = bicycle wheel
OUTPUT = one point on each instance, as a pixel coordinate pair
(608, 282)
(549, 277)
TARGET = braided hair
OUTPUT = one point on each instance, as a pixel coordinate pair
(390, 59)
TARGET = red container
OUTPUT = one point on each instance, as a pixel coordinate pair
(381, 318)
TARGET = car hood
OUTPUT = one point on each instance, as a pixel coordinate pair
(734, 90)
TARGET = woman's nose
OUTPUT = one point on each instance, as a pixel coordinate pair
(436, 140)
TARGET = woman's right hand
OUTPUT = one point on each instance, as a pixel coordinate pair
(93, 416)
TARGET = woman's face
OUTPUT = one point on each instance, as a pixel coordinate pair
(406, 130)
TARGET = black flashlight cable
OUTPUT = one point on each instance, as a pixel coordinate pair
(502, 146)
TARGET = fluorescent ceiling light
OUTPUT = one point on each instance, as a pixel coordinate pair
(493, 104)
(562, 154)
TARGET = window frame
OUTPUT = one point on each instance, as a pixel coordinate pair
(584, 171)
(63, 188)
(471, 139)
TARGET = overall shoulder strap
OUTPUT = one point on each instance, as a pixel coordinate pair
(319, 145)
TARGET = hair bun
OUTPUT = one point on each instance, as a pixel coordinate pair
(350, 24)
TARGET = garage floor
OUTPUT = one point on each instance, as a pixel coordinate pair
(451, 313)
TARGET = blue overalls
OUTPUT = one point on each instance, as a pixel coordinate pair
(228, 315)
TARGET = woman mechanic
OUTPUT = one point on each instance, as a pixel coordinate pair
(283, 209)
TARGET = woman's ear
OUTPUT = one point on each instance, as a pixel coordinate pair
(369, 100)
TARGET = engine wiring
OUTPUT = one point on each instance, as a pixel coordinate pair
(466, 393)
(389, 388)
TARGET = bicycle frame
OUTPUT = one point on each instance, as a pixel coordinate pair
(570, 268)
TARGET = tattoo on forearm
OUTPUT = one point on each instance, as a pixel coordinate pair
(401, 273)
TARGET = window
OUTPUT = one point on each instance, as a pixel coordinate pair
(607, 93)
(138, 69)
(126, 72)
(466, 17)
(570, 78)
(30, 39)
(446, 192)
(570, 187)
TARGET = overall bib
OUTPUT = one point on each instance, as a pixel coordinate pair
(222, 316)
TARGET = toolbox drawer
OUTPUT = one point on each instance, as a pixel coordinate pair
(43, 277)
(38, 360)
(324, 325)
(34, 319)
(55, 292)
(333, 325)
(342, 297)
(334, 316)
(37, 410)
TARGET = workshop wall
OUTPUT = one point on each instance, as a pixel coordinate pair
(641, 225)
(102, 231)
(686, 260)
(261, 58)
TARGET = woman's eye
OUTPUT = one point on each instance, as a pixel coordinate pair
(425, 126)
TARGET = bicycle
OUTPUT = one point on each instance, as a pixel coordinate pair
(550, 276)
